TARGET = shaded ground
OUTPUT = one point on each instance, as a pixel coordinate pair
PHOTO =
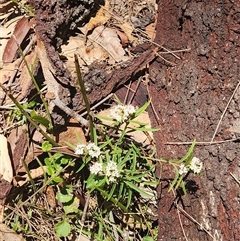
(190, 98)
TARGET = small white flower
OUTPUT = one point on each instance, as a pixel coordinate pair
(121, 113)
(182, 169)
(79, 150)
(93, 150)
(130, 109)
(96, 168)
(112, 179)
(112, 171)
(196, 165)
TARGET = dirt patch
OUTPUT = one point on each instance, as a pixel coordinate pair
(190, 98)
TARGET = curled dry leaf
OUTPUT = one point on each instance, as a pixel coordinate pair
(123, 37)
(6, 171)
(88, 53)
(127, 29)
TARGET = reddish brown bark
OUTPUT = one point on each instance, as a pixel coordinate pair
(190, 99)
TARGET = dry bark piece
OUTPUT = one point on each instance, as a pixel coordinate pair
(58, 79)
(109, 83)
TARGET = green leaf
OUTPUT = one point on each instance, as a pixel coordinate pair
(63, 228)
(64, 198)
(148, 238)
(120, 190)
(175, 180)
(46, 146)
(100, 117)
(144, 129)
(112, 191)
(65, 160)
(188, 157)
(141, 109)
(134, 162)
(129, 200)
(50, 170)
(39, 119)
(93, 182)
(70, 145)
(73, 207)
(183, 187)
(57, 179)
(139, 190)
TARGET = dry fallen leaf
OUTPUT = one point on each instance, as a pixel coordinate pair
(35, 173)
(51, 197)
(6, 171)
(108, 39)
(101, 18)
(88, 53)
(6, 72)
(16, 39)
(73, 130)
(127, 29)
(6, 234)
(25, 80)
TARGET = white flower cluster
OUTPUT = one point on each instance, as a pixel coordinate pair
(92, 149)
(111, 170)
(79, 150)
(195, 166)
(182, 169)
(121, 113)
(96, 168)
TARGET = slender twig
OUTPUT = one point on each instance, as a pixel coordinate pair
(215, 132)
(235, 178)
(193, 219)
(84, 94)
(69, 111)
(98, 104)
(85, 210)
(202, 142)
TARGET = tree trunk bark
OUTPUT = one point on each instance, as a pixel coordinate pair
(198, 98)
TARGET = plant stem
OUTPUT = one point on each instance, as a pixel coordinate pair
(85, 98)
(28, 117)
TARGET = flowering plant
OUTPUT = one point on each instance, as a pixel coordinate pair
(117, 167)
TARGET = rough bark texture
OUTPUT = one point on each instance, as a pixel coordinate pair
(190, 99)
(53, 21)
